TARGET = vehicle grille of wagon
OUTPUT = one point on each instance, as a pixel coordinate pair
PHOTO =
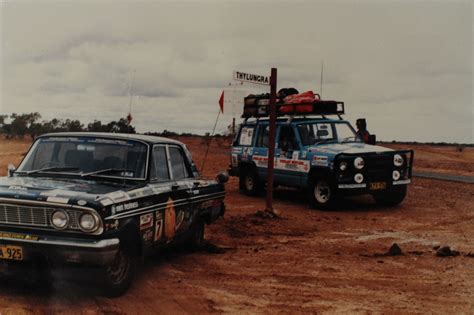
(35, 216)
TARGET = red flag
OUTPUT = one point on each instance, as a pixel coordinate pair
(129, 118)
(221, 102)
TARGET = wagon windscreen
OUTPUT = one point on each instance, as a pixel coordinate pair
(87, 156)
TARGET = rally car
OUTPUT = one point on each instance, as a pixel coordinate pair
(317, 153)
(104, 200)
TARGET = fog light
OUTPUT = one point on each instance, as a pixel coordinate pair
(396, 175)
(358, 178)
(343, 166)
(359, 163)
(88, 222)
(59, 219)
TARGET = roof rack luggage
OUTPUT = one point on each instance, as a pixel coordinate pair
(304, 104)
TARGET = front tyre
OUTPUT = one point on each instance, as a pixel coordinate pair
(391, 197)
(250, 183)
(321, 194)
(118, 276)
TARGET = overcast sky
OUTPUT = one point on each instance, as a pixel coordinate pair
(405, 66)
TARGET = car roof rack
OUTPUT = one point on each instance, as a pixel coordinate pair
(318, 107)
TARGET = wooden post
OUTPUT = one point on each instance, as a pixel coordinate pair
(271, 141)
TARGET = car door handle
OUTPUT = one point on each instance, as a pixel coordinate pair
(174, 186)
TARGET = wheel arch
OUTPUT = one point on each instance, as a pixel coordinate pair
(130, 237)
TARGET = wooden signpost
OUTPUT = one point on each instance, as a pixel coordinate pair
(272, 81)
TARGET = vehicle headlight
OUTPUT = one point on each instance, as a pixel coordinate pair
(343, 166)
(396, 175)
(397, 160)
(358, 178)
(88, 222)
(359, 163)
(60, 219)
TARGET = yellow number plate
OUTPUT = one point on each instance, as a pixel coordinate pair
(378, 186)
(11, 252)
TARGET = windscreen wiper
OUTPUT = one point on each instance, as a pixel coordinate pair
(348, 138)
(323, 141)
(48, 169)
(104, 171)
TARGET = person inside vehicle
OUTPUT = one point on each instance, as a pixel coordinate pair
(362, 132)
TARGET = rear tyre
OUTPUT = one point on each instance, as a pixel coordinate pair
(250, 183)
(391, 197)
(196, 238)
(321, 194)
(118, 276)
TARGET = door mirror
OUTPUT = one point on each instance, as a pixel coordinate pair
(222, 177)
(372, 139)
(11, 169)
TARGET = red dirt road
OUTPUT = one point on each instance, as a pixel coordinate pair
(308, 261)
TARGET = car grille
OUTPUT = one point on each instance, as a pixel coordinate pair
(22, 215)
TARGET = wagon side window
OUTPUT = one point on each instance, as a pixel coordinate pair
(246, 135)
(262, 137)
(179, 169)
(160, 170)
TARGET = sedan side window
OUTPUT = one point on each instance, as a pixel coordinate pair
(160, 169)
(178, 164)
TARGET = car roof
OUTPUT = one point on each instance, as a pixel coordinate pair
(109, 135)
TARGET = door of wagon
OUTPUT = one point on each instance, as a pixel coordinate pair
(289, 167)
(171, 174)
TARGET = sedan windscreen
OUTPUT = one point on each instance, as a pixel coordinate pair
(87, 156)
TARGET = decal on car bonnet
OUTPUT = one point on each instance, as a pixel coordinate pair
(58, 199)
(118, 196)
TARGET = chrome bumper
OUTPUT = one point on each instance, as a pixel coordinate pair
(59, 250)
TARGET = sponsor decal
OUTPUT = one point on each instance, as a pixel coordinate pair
(293, 165)
(19, 236)
(261, 161)
(125, 206)
(246, 135)
(179, 219)
(158, 225)
(236, 150)
(235, 160)
(81, 202)
(170, 220)
(118, 196)
(146, 221)
(320, 160)
(148, 235)
(160, 189)
(112, 226)
(106, 202)
(57, 199)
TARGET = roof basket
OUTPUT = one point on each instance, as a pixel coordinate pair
(258, 106)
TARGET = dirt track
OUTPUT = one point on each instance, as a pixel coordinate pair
(307, 261)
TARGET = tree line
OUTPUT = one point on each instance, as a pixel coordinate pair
(20, 125)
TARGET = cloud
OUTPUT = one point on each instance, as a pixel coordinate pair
(398, 64)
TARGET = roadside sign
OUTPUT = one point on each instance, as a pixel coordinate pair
(251, 78)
